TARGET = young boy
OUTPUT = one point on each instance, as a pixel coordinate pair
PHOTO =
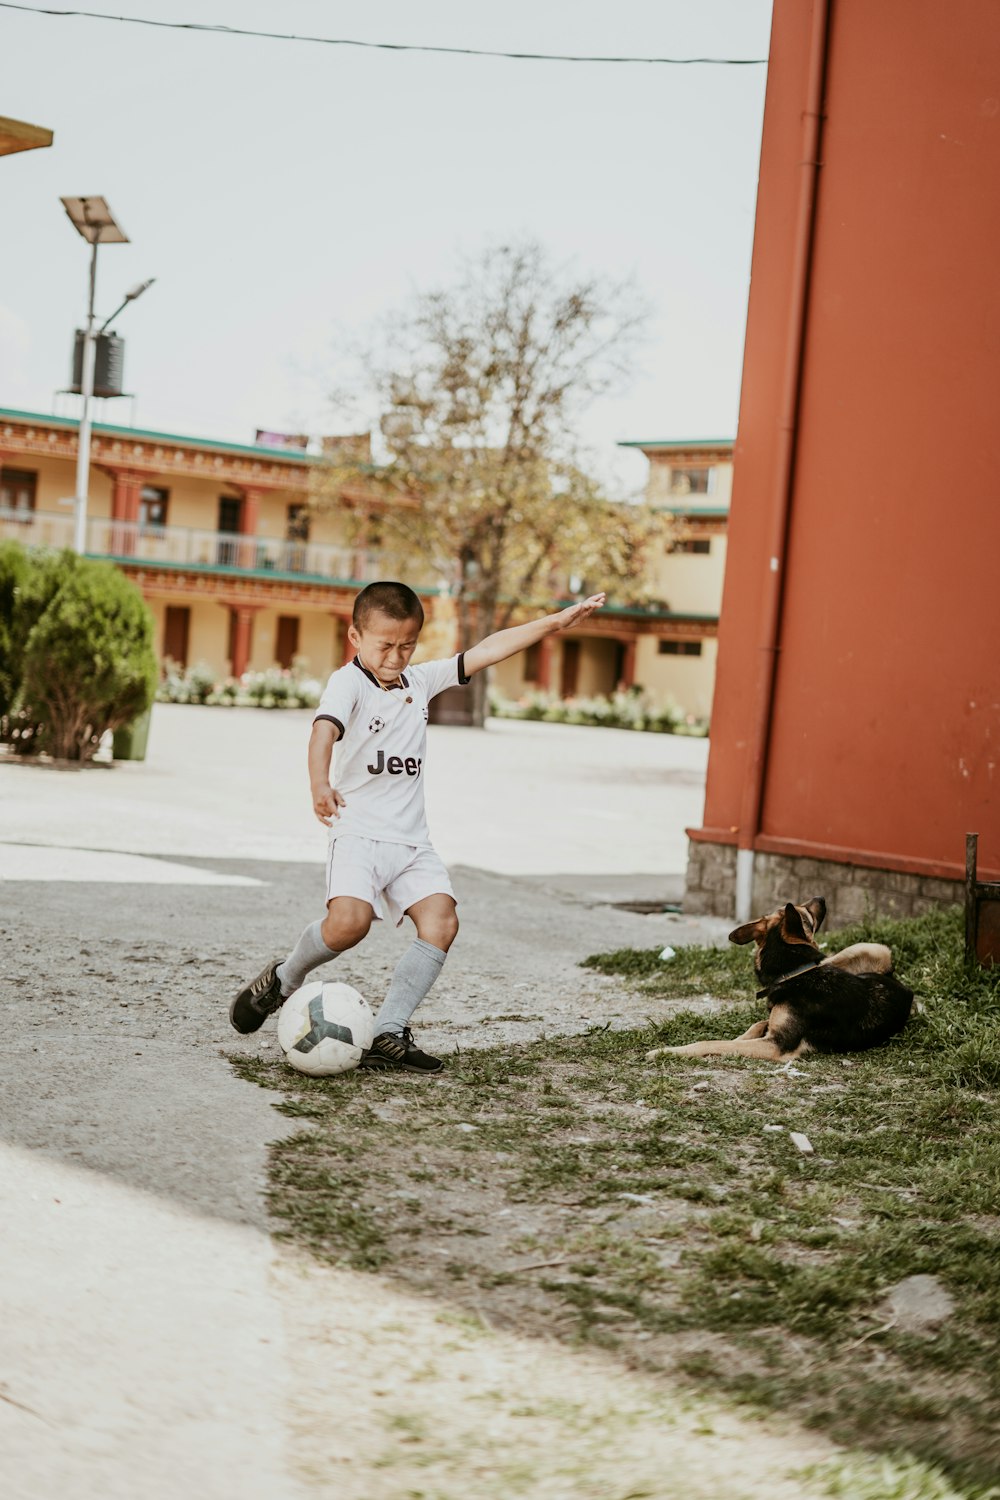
(381, 860)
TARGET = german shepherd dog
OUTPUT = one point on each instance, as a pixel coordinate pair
(845, 1003)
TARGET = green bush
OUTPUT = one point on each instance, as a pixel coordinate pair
(275, 688)
(30, 581)
(14, 569)
(87, 663)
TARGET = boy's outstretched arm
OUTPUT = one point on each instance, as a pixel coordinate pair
(504, 643)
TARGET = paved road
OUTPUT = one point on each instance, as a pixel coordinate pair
(144, 1351)
(519, 798)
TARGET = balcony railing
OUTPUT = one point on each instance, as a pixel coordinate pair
(182, 546)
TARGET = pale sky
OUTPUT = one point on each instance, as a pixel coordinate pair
(284, 195)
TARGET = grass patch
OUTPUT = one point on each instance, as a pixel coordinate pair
(570, 1188)
(721, 972)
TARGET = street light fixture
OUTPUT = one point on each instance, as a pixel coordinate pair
(130, 296)
(93, 219)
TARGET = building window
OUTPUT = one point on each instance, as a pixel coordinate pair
(297, 523)
(297, 535)
(679, 648)
(692, 481)
(227, 553)
(18, 488)
(701, 545)
(230, 513)
(533, 662)
(152, 507)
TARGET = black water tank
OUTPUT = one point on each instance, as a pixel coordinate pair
(109, 364)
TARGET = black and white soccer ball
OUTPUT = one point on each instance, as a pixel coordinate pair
(325, 1028)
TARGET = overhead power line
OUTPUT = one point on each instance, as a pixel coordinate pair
(337, 41)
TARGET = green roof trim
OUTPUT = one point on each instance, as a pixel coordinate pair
(273, 575)
(694, 511)
(636, 612)
(283, 455)
(678, 443)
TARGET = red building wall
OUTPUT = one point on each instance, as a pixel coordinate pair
(882, 745)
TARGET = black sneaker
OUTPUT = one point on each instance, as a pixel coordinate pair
(257, 1000)
(388, 1052)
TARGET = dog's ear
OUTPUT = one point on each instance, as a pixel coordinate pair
(791, 926)
(750, 932)
(817, 910)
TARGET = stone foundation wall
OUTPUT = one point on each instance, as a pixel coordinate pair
(850, 891)
(710, 884)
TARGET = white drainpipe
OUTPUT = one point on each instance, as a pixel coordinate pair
(744, 884)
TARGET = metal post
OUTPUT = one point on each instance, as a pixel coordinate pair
(744, 884)
(87, 391)
(971, 851)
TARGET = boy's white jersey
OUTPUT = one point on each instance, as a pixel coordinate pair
(378, 761)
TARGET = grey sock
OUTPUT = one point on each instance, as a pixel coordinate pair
(309, 952)
(416, 971)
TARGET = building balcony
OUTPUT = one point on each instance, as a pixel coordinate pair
(174, 547)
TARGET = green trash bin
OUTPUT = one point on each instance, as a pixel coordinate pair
(129, 742)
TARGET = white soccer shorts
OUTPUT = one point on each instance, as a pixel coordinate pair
(390, 877)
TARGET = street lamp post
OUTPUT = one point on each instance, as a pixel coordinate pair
(83, 439)
(93, 219)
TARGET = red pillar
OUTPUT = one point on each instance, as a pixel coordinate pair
(249, 519)
(250, 512)
(125, 501)
(242, 615)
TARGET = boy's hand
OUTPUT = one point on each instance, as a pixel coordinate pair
(567, 618)
(327, 804)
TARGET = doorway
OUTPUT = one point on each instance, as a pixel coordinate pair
(176, 633)
(569, 674)
(286, 646)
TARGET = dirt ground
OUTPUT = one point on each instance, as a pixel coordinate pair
(157, 1343)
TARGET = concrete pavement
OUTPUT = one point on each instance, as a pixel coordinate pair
(146, 1349)
(517, 799)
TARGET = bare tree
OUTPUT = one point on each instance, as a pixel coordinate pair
(483, 388)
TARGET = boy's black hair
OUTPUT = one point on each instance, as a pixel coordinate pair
(393, 599)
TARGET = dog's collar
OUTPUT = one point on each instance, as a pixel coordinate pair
(802, 969)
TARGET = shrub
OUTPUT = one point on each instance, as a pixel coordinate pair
(275, 688)
(88, 664)
(14, 569)
(630, 709)
(200, 684)
(30, 582)
(279, 688)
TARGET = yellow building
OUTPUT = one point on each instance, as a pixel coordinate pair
(668, 648)
(690, 484)
(237, 572)
(241, 574)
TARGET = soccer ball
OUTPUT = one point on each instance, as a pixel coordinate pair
(324, 1028)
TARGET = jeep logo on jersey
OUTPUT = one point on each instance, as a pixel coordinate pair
(375, 725)
(396, 765)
